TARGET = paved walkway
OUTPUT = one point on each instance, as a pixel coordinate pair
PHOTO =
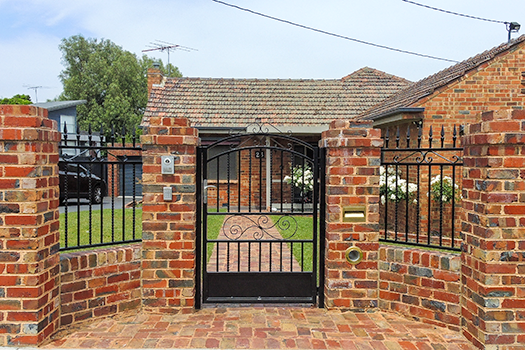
(259, 255)
(264, 327)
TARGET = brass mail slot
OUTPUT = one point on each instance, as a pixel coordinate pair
(354, 214)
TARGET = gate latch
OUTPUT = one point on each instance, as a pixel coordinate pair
(206, 186)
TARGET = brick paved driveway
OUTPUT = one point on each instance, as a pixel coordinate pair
(260, 328)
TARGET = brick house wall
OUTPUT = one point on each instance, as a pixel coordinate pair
(253, 192)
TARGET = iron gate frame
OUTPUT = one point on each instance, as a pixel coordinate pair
(312, 280)
(93, 150)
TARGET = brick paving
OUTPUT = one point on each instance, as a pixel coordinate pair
(260, 327)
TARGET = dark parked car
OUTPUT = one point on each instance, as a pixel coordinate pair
(78, 183)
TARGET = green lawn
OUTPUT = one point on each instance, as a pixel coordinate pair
(304, 231)
(111, 229)
(214, 227)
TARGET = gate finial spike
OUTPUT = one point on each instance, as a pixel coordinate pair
(454, 136)
(408, 136)
(65, 131)
(397, 137)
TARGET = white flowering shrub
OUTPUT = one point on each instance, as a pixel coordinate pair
(305, 182)
(443, 190)
(393, 187)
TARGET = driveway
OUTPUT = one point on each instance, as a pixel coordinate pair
(75, 205)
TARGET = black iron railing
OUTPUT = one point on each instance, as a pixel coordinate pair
(420, 188)
(100, 189)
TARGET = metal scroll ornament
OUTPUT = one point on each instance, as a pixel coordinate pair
(238, 227)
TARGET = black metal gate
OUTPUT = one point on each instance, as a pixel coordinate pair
(260, 220)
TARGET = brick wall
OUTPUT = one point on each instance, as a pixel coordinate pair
(29, 238)
(352, 168)
(168, 227)
(99, 283)
(494, 85)
(493, 259)
(421, 284)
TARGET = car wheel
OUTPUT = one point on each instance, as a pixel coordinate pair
(96, 195)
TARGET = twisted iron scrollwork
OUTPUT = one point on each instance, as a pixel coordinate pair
(425, 157)
(237, 227)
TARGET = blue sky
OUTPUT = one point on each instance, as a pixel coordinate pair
(236, 44)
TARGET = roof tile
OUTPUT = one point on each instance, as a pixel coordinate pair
(415, 92)
(237, 102)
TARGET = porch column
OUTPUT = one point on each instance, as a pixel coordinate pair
(352, 168)
(493, 256)
(29, 226)
(168, 226)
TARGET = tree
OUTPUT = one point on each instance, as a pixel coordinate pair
(16, 100)
(112, 81)
(168, 71)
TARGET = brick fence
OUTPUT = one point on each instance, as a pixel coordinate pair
(29, 238)
(99, 283)
(480, 292)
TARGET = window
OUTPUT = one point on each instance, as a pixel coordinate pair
(225, 162)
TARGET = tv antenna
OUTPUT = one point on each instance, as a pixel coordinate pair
(35, 88)
(163, 46)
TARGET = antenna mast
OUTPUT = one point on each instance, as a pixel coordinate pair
(163, 46)
(36, 90)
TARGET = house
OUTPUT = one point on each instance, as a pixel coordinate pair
(456, 96)
(63, 112)
(491, 80)
(303, 108)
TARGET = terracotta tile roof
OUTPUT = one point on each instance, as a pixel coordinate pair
(237, 102)
(415, 92)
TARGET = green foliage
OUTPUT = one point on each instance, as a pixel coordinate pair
(112, 81)
(168, 71)
(16, 100)
(443, 190)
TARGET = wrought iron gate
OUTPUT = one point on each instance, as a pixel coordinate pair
(260, 220)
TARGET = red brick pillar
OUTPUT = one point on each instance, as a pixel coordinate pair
(29, 236)
(352, 168)
(168, 227)
(493, 257)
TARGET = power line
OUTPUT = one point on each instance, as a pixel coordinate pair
(455, 13)
(335, 35)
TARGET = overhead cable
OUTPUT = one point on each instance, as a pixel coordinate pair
(454, 13)
(335, 35)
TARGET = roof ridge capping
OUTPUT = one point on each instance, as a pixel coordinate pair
(429, 84)
(376, 72)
